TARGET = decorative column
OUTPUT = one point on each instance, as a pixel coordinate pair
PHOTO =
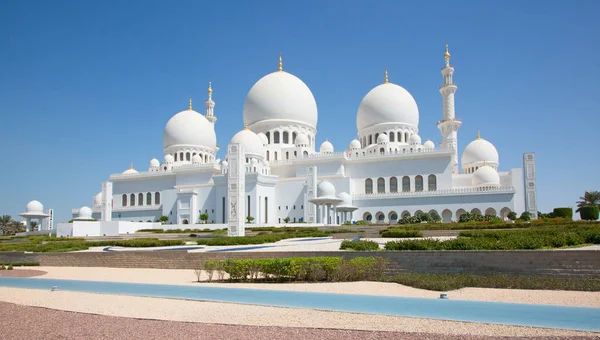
(210, 105)
(106, 205)
(530, 186)
(236, 189)
(310, 213)
(450, 124)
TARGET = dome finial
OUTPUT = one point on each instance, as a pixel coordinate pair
(447, 54)
(484, 163)
(245, 125)
(209, 90)
(130, 165)
(280, 68)
(385, 80)
(190, 107)
(478, 134)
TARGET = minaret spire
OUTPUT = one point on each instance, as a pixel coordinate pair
(280, 68)
(209, 90)
(449, 124)
(385, 79)
(210, 105)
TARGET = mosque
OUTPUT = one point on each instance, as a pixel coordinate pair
(274, 174)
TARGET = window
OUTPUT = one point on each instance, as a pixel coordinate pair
(406, 137)
(275, 155)
(279, 207)
(392, 137)
(393, 184)
(368, 186)
(294, 207)
(287, 207)
(181, 156)
(175, 157)
(382, 151)
(187, 156)
(418, 183)
(212, 211)
(286, 137)
(431, 183)
(140, 199)
(268, 134)
(370, 140)
(295, 154)
(376, 136)
(124, 202)
(157, 198)
(294, 137)
(148, 199)
(405, 184)
(276, 137)
(305, 153)
(380, 185)
(287, 155)
(302, 206)
(267, 154)
(132, 200)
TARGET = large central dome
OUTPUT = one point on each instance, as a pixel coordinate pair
(280, 96)
(387, 103)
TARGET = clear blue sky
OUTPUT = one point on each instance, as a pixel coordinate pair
(86, 87)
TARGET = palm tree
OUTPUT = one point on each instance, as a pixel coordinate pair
(33, 226)
(5, 222)
(589, 198)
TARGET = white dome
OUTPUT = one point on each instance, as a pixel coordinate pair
(169, 159)
(387, 103)
(383, 138)
(34, 207)
(429, 145)
(346, 198)
(302, 139)
(479, 151)
(98, 199)
(325, 189)
(130, 171)
(263, 138)
(280, 96)
(354, 144)
(485, 176)
(154, 163)
(326, 147)
(224, 164)
(196, 159)
(250, 141)
(415, 139)
(189, 128)
(85, 213)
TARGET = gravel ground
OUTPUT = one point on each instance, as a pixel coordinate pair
(23, 322)
(22, 273)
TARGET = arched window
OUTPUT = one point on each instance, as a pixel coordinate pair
(176, 157)
(124, 202)
(181, 156)
(368, 186)
(140, 199)
(392, 137)
(157, 198)
(432, 183)
(286, 137)
(418, 183)
(287, 155)
(382, 151)
(305, 153)
(268, 134)
(393, 184)
(275, 155)
(405, 184)
(267, 154)
(295, 153)
(276, 137)
(205, 158)
(399, 136)
(380, 185)
(406, 137)
(376, 136)
(370, 139)
(187, 156)
(148, 199)
(132, 200)
(294, 137)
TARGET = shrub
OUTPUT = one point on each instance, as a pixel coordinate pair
(525, 216)
(589, 213)
(512, 215)
(401, 233)
(10, 267)
(362, 222)
(468, 217)
(22, 264)
(361, 245)
(259, 239)
(3, 267)
(563, 212)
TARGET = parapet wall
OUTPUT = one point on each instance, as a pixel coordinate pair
(583, 263)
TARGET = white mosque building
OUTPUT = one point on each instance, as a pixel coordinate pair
(274, 172)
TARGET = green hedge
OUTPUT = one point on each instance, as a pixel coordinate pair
(401, 233)
(312, 269)
(361, 245)
(259, 239)
(533, 238)
(20, 264)
(589, 213)
(563, 212)
(73, 244)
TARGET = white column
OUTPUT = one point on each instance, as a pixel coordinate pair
(27, 224)
(311, 212)
(106, 205)
(236, 190)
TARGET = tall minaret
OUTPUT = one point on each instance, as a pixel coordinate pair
(210, 105)
(450, 124)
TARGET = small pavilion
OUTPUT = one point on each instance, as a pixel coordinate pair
(34, 211)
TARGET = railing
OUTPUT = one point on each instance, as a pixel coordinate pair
(453, 191)
(351, 154)
(137, 207)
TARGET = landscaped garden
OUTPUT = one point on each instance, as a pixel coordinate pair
(53, 244)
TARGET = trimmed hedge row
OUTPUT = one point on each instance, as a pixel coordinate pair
(174, 231)
(400, 233)
(258, 239)
(73, 244)
(566, 213)
(589, 213)
(361, 245)
(295, 269)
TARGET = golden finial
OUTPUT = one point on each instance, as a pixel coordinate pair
(280, 68)
(130, 165)
(385, 80)
(190, 107)
(245, 126)
(209, 88)
(484, 163)
(447, 54)
(478, 135)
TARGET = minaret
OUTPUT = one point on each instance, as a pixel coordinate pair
(210, 106)
(450, 124)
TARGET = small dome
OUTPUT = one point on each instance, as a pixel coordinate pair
(224, 164)
(98, 199)
(189, 128)
(387, 103)
(415, 139)
(326, 147)
(85, 213)
(354, 145)
(263, 138)
(383, 138)
(485, 176)
(34, 207)
(250, 141)
(154, 163)
(325, 189)
(169, 159)
(196, 159)
(479, 151)
(346, 198)
(130, 171)
(302, 140)
(429, 145)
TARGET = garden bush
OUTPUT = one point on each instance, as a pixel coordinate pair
(259, 239)
(361, 245)
(589, 213)
(401, 233)
(563, 212)
(299, 269)
(10, 267)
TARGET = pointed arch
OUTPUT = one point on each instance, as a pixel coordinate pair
(380, 185)
(393, 184)
(124, 200)
(368, 186)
